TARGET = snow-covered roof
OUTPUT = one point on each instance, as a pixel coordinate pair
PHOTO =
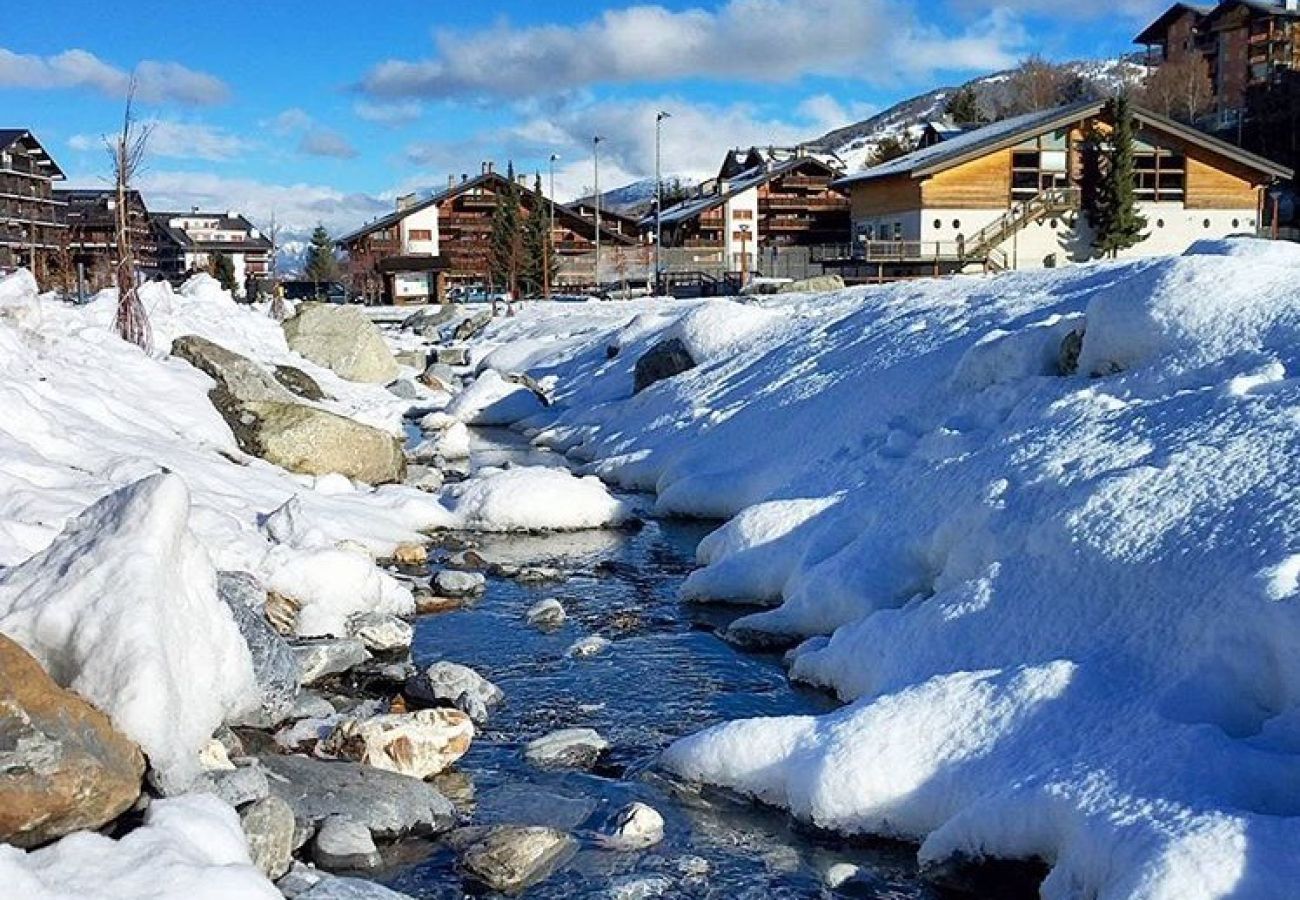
(11, 136)
(1009, 132)
(751, 178)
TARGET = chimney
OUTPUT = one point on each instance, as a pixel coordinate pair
(489, 165)
(463, 178)
(451, 180)
(405, 201)
(522, 179)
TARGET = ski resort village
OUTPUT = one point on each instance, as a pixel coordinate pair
(706, 449)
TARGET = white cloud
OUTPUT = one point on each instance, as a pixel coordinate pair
(178, 140)
(156, 82)
(396, 114)
(326, 142)
(290, 121)
(877, 41)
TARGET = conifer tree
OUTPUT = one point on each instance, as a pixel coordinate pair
(322, 265)
(222, 268)
(963, 108)
(506, 237)
(538, 253)
(1118, 225)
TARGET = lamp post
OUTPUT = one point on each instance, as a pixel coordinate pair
(595, 163)
(659, 200)
(744, 255)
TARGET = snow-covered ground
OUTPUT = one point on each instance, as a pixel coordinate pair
(1063, 609)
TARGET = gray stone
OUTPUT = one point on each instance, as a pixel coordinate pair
(314, 441)
(405, 389)
(452, 356)
(568, 748)
(241, 785)
(381, 632)
(449, 683)
(546, 614)
(238, 377)
(342, 843)
(268, 827)
(634, 827)
(332, 888)
(342, 339)
(389, 805)
(664, 360)
(439, 377)
(428, 322)
(1071, 346)
(818, 284)
(591, 645)
(320, 658)
(454, 583)
(298, 382)
(510, 858)
(472, 327)
(274, 665)
(310, 705)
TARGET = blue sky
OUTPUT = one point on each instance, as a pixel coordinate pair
(327, 111)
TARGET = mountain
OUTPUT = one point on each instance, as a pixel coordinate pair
(637, 199)
(855, 143)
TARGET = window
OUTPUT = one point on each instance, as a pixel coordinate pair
(1160, 223)
(938, 224)
(420, 234)
(1159, 175)
(1038, 165)
(742, 214)
(1206, 223)
(956, 224)
(898, 231)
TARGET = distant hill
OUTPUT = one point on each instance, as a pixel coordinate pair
(636, 199)
(855, 143)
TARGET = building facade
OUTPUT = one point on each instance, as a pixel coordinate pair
(32, 227)
(1006, 196)
(188, 242)
(91, 217)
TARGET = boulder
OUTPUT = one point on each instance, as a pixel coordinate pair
(268, 827)
(332, 888)
(568, 748)
(453, 583)
(817, 284)
(386, 803)
(634, 827)
(240, 785)
(314, 441)
(472, 327)
(381, 632)
(439, 377)
(428, 322)
(298, 382)
(238, 378)
(323, 657)
(342, 339)
(449, 683)
(591, 645)
(452, 356)
(546, 614)
(1067, 362)
(663, 360)
(405, 389)
(64, 766)
(411, 554)
(274, 665)
(510, 858)
(342, 843)
(419, 744)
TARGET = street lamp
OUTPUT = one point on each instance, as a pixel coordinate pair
(550, 235)
(744, 255)
(595, 163)
(659, 200)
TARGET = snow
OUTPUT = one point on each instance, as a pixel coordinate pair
(1061, 609)
(123, 609)
(189, 848)
(492, 400)
(531, 498)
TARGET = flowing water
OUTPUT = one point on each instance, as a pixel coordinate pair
(666, 674)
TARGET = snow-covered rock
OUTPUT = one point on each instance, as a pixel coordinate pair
(321, 657)
(633, 827)
(568, 748)
(455, 583)
(546, 614)
(382, 632)
(493, 400)
(531, 498)
(342, 339)
(123, 609)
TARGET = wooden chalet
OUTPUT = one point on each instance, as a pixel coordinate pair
(187, 243)
(31, 220)
(1244, 43)
(761, 198)
(1005, 196)
(416, 252)
(91, 216)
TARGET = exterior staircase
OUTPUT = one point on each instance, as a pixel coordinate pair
(983, 244)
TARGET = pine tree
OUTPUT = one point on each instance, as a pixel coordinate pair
(506, 237)
(1091, 157)
(537, 251)
(963, 108)
(1118, 225)
(222, 268)
(322, 265)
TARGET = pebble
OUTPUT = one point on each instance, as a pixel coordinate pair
(546, 614)
(342, 843)
(455, 583)
(592, 645)
(242, 785)
(634, 827)
(431, 604)
(568, 748)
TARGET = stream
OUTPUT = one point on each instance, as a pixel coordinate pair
(666, 674)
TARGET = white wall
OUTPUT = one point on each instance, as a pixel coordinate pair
(424, 220)
(748, 201)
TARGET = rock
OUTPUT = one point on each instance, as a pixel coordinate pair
(460, 686)
(268, 827)
(62, 765)
(411, 554)
(342, 843)
(320, 658)
(419, 744)
(569, 748)
(1071, 346)
(274, 665)
(432, 604)
(453, 583)
(634, 827)
(510, 858)
(241, 785)
(817, 284)
(439, 377)
(470, 328)
(546, 614)
(312, 441)
(664, 360)
(331, 888)
(231, 742)
(592, 645)
(238, 377)
(298, 382)
(528, 381)
(427, 322)
(452, 356)
(405, 389)
(381, 632)
(386, 803)
(310, 705)
(342, 339)
(639, 887)
(426, 478)
(281, 612)
(538, 574)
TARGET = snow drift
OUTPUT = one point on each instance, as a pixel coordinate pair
(1064, 609)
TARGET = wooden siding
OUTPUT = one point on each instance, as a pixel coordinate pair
(885, 196)
(983, 183)
(1218, 186)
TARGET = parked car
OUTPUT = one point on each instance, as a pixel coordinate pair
(323, 291)
(477, 293)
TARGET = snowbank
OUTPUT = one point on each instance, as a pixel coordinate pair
(1064, 609)
(492, 400)
(189, 848)
(531, 498)
(123, 609)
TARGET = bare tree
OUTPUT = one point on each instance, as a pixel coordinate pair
(1179, 88)
(127, 152)
(1038, 84)
(279, 308)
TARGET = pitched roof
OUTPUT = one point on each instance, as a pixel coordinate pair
(1260, 6)
(1154, 33)
(1009, 132)
(692, 207)
(11, 136)
(163, 222)
(447, 193)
